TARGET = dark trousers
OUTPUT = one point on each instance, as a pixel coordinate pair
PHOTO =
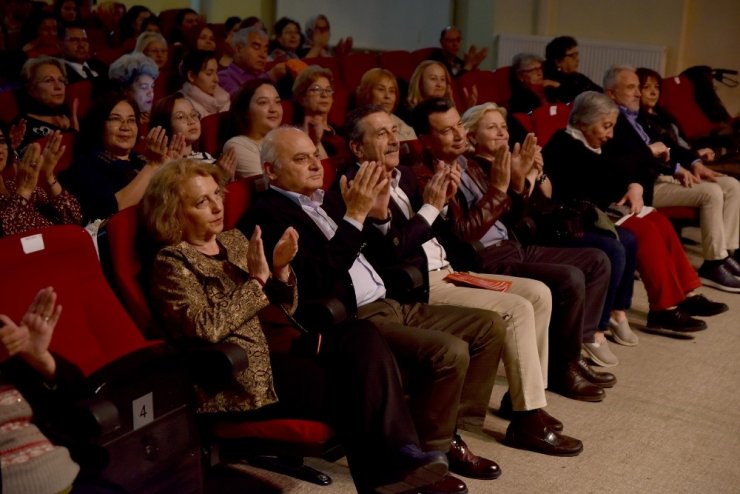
(622, 254)
(578, 279)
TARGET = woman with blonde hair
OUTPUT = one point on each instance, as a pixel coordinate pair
(379, 87)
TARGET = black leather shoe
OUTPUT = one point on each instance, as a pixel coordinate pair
(464, 462)
(674, 320)
(573, 385)
(506, 412)
(732, 265)
(530, 433)
(699, 305)
(601, 379)
(417, 468)
(716, 275)
(448, 485)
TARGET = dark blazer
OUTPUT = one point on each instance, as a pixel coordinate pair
(100, 83)
(321, 266)
(579, 173)
(630, 150)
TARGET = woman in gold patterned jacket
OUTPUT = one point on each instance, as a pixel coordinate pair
(209, 285)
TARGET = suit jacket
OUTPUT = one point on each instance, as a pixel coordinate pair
(322, 265)
(628, 148)
(100, 83)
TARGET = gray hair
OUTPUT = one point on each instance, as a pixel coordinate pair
(127, 68)
(589, 107)
(147, 37)
(612, 73)
(269, 148)
(28, 71)
(311, 22)
(471, 117)
(241, 37)
(521, 60)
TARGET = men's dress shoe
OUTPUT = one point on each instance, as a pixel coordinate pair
(601, 354)
(718, 276)
(674, 320)
(447, 485)
(532, 434)
(506, 412)
(418, 468)
(622, 332)
(464, 462)
(573, 385)
(699, 305)
(732, 265)
(601, 379)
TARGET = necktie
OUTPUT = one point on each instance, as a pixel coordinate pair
(88, 73)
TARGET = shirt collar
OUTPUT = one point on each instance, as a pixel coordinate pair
(578, 136)
(315, 201)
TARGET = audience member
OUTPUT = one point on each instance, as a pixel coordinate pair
(108, 175)
(313, 93)
(287, 40)
(406, 236)
(40, 36)
(317, 40)
(448, 353)
(135, 74)
(209, 285)
(379, 87)
(250, 61)
(529, 88)
(107, 17)
(200, 37)
(42, 103)
(66, 11)
(561, 66)
(488, 134)
(154, 46)
(231, 26)
(256, 111)
(578, 277)
(78, 58)
(679, 183)
(185, 19)
(450, 40)
(579, 169)
(16, 15)
(34, 198)
(36, 390)
(132, 24)
(199, 69)
(429, 80)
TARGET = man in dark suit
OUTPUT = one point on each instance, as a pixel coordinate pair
(412, 239)
(80, 66)
(448, 354)
(577, 278)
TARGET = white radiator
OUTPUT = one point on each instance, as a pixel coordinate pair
(595, 56)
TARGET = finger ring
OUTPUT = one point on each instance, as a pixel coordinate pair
(46, 319)
(34, 163)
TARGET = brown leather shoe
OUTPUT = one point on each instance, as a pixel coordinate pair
(447, 485)
(506, 412)
(573, 385)
(601, 379)
(464, 462)
(530, 432)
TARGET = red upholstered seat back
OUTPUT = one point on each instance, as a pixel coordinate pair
(94, 329)
(548, 119)
(82, 91)
(210, 132)
(399, 62)
(354, 67)
(8, 106)
(502, 85)
(485, 82)
(238, 199)
(677, 98)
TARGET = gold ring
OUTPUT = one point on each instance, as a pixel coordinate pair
(46, 319)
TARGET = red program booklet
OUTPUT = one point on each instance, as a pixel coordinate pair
(477, 281)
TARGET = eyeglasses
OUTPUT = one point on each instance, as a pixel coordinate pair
(52, 80)
(182, 116)
(119, 120)
(323, 91)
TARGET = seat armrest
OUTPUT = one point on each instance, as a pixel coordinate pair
(404, 283)
(212, 365)
(320, 314)
(92, 418)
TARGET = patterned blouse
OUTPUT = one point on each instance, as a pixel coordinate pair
(213, 299)
(18, 214)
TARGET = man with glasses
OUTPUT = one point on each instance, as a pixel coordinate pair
(250, 60)
(450, 40)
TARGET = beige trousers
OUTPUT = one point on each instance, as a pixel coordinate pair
(719, 210)
(526, 307)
